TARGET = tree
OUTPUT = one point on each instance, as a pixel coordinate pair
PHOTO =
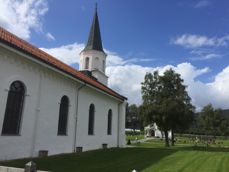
(224, 127)
(166, 102)
(133, 110)
(212, 121)
(133, 118)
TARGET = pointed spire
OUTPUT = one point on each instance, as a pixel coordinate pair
(96, 6)
(94, 41)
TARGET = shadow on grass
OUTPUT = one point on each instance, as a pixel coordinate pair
(203, 148)
(110, 160)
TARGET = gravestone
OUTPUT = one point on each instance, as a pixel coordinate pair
(30, 167)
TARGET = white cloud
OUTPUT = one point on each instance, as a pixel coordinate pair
(69, 54)
(206, 56)
(126, 78)
(50, 37)
(220, 87)
(114, 59)
(202, 4)
(198, 41)
(189, 72)
(22, 16)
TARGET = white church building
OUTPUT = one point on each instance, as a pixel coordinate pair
(48, 106)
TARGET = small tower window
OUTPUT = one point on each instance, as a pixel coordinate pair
(87, 63)
(104, 65)
(96, 63)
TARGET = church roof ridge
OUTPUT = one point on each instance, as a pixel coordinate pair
(94, 40)
(22, 45)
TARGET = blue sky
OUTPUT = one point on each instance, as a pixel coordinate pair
(142, 29)
(191, 36)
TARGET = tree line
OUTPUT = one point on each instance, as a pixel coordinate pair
(210, 121)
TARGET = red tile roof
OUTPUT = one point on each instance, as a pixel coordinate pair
(15, 42)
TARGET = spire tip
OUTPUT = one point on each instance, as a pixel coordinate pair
(96, 6)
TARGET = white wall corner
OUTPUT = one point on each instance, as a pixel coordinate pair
(122, 122)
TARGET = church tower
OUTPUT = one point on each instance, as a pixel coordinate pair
(92, 57)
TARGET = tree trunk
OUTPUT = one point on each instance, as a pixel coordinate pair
(166, 139)
(173, 138)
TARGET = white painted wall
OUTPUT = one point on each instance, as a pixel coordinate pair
(44, 89)
(100, 76)
(102, 105)
(13, 68)
(121, 124)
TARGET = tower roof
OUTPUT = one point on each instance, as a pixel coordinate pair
(94, 40)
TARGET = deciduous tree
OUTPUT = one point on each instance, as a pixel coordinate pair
(166, 102)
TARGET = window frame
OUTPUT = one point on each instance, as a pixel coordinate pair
(104, 65)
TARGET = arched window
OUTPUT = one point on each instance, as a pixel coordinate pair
(14, 107)
(87, 63)
(63, 116)
(109, 122)
(91, 119)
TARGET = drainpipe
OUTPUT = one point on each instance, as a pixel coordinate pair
(118, 125)
(37, 111)
(77, 107)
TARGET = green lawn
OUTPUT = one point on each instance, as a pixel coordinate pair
(134, 137)
(145, 157)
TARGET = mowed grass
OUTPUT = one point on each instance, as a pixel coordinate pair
(134, 137)
(144, 157)
(193, 159)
